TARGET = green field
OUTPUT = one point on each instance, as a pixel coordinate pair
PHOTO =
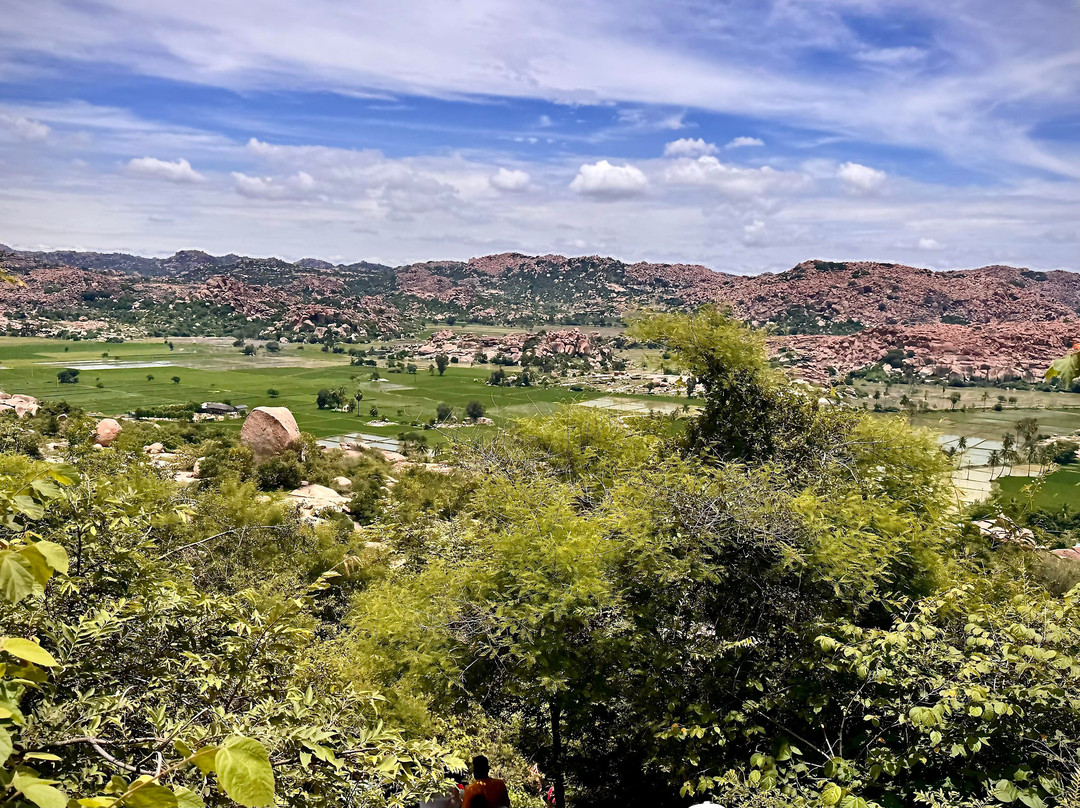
(991, 424)
(213, 370)
(1058, 489)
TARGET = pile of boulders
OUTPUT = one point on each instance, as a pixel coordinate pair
(21, 405)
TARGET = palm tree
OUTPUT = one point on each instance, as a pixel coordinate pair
(993, 461)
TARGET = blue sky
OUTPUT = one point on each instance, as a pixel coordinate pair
(744, 135)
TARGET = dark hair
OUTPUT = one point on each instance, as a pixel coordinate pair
(478, 801)
(480, 769)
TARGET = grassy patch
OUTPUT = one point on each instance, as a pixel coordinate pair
(1060, 488)
(214, 370)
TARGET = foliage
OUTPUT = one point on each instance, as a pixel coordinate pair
(282, 472)
(68, 376)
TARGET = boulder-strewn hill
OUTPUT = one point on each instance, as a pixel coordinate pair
(873, 294)
(195, 293)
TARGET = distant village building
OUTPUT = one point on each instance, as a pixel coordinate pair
(219, 408)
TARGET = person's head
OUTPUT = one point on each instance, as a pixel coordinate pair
(480, 767)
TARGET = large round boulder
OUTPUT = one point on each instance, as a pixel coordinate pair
(108, 430)
(269, 431)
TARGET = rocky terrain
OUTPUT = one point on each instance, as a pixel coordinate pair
(994, 323)
(467, 348)
(999, 352)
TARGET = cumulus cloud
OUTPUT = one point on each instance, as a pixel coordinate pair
(509, 179)
(861, 179)
(606, 181)
(24, 128)
(753, 233)
(708, 171)
(929, 244)
(688, 147)
(297, 186)
(743, 141)
(179, 171)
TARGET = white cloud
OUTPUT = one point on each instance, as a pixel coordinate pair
(743, 141)
(545, 121)
(929, 244)
(24, 128)
(708, 171)
(688, 147)
(606, 181)
(651, 120)
(754, 233)
(509, 180)
(987, 79)
(861, 179)
(297, 186)
(178, 171)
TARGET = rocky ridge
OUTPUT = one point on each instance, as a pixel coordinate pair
(818, 303)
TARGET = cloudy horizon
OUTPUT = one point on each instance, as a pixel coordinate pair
(747, 140)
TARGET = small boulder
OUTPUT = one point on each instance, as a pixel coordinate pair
(316, 498)
(185, 478)
(108, 430)
(343, 483)
(197, 467)
(155, 448)
(269, 431)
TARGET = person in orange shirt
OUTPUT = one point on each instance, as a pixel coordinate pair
(485, 791)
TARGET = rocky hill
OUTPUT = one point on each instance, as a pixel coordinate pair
(822, 295)
(193, 292)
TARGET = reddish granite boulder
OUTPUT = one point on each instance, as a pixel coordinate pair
(108, 430)
(269, 431)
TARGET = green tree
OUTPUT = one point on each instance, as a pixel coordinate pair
(68, 376)
(441, 362)
(474, 410)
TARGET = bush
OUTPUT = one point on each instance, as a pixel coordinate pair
(444, 412)
(68, 376)
(474, 410)
(283, 472)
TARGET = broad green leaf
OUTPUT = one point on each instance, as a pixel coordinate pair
(146, 793)
(39, 791)
(65, 475)
(6, 746)
(244, 771)
(46, 487)
(831, 794)
(186, 798)
(16, 576)
(97, 802)
(28, 650)
(206, 759)
(28, 506)
(1030, 797)
(1067, 368)
(40, 568)
(1005, 791)
(55, 554)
